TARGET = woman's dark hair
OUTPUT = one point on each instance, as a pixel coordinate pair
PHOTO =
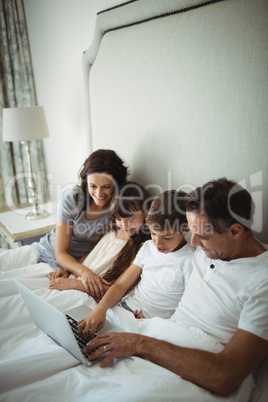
(223, 202)
(167, 212)
(101, 161)
(132, 198)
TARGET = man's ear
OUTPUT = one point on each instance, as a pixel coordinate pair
(236, 230)
(185, 232)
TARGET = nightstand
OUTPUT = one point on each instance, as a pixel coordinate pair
(18, 231)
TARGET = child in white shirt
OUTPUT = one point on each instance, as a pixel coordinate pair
(162, 267)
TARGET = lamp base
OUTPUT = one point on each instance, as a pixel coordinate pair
(36, 215)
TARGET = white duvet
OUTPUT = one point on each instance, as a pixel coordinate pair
(34, 368)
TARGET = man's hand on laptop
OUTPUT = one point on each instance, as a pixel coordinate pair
(117, 344)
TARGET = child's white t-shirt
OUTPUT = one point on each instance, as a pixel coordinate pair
(101, 258)
(163, 280)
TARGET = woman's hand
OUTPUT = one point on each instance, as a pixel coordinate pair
(58, 273)
(93, 283)
(92, 323)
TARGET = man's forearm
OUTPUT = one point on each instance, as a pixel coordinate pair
(197, 366)
(220, 372)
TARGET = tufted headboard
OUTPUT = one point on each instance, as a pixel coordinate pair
(178, 88)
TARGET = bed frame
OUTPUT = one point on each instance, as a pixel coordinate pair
(179, 89)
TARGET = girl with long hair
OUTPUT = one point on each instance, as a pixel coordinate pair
(116, 250)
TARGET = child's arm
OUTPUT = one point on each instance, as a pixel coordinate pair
(64, 283)
(94, 321)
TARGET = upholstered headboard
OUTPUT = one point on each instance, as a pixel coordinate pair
(178, 88)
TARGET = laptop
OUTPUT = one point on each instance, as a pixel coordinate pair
(62, 327)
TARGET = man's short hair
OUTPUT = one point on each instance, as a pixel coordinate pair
(168, 213)
(223, 202)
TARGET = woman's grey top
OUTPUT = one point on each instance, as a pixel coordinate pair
(84, 231)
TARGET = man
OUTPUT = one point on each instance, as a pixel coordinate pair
(226, 296)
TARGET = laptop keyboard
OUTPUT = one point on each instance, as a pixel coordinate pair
(82, 343)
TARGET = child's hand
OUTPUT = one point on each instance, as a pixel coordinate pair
(138, 314)
(92, 323)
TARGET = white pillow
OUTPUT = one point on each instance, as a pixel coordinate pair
(18, 257)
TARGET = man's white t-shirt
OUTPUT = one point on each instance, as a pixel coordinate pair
(222, 296)
(163, 280)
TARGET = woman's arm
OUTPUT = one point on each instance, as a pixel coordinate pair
(93, 283)
(94, 321)
(62, 246)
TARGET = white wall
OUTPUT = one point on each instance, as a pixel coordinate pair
(59, 31)
(190, 105)
(228, 127)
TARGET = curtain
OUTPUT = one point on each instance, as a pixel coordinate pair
(17, 90)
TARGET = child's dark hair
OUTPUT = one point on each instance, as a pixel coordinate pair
(168, 213)
(132, 198)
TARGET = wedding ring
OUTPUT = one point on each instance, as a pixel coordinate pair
(105, 349)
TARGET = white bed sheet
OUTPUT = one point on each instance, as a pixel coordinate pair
(33, 367)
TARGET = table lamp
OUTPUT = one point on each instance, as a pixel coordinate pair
(25, 124)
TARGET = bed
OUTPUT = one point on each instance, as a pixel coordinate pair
(178, 88)
(33, 367)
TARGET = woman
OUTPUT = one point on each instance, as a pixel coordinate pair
(83, 216)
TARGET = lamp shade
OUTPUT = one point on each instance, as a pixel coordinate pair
(24, 124)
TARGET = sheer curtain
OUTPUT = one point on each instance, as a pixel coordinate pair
(17, 89)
